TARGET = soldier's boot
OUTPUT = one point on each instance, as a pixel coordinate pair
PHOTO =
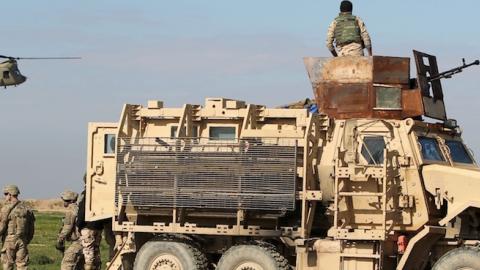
(89, 267)
(7, 266)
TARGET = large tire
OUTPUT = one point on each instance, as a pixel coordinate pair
(170, 255)
(252, 257)
(464, 258)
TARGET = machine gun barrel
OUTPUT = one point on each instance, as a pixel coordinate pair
(448, 74)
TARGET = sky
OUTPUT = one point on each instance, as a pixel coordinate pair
(184, 51)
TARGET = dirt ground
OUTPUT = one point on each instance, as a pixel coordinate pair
(46, 205)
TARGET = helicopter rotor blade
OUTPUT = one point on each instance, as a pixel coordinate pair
(44, 58)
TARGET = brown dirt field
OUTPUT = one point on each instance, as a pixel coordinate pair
(47, 205)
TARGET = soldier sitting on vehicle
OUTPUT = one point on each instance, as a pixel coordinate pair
(349, 33)
(69, 232)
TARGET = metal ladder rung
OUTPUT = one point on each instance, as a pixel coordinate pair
(382, 196)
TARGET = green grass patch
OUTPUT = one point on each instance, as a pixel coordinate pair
(43, 255)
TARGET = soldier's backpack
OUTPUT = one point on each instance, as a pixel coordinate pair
(26, 224)
(29, 226)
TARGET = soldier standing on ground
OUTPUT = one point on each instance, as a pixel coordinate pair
(69, 232)
(16, 230)
(90, 236)
(349, 33)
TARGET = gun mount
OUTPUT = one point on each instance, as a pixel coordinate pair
(379, 86)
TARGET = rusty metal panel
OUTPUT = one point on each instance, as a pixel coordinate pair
(314, 66)
(345, 100)
(345, 97)
(434, 108)
(346, 87)
(412, 103)
(391, 70)
(350, 69)
(342, 85)
(386, 114)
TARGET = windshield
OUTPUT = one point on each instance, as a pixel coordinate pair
(430, 149)
(458, 152)
(372, 150)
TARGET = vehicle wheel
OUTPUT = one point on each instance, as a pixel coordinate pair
(464, 258)
(169, 255)
(252, 257)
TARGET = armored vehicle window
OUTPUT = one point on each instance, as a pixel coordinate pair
(109, 144)
(458, 152)
(430, 149)
(222, 133)
(372, 149)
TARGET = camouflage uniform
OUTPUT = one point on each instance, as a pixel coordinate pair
(353, 48)
(90, 237)
(16, 232)
(69, 232)
(109, 237)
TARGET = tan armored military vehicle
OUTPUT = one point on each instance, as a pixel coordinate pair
(365, 184)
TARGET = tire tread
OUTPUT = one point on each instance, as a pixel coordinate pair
(199, 257)
(445, 261)
(281, 263)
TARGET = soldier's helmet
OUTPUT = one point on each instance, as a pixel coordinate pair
(69, 195)
(11, 189)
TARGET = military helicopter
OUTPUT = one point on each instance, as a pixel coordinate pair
(10, 74)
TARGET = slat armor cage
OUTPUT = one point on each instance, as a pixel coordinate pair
(256, 174)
